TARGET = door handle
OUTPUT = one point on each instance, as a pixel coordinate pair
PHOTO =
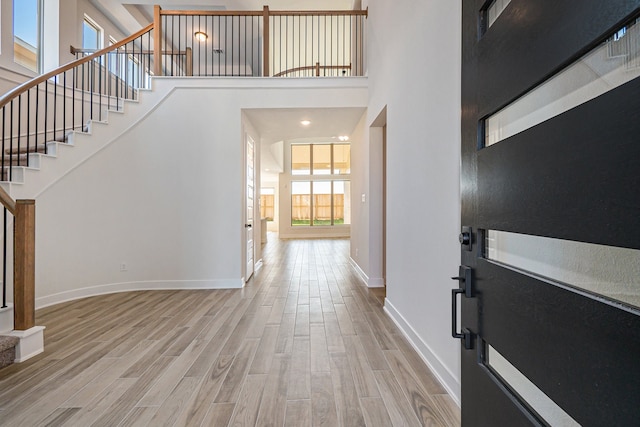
(248, 226)
(464, 278)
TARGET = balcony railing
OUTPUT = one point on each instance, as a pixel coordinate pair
(260, 43)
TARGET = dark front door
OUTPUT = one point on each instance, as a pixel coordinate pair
(550, 325)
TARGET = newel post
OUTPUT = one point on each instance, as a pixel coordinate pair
(24, 266)
(265, 41)
(157, 41)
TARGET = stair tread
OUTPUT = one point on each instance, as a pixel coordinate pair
(23, 149)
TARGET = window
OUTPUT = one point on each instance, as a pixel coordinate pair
(130, 69)
(113, 62)
(26, 33)
(301, 159)
(323, 196)
(267, 203)
(91, 34)
(301, 203)
(321, 159)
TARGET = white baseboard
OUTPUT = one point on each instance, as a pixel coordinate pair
(369, 282)
(361, 274)
(48, 300)
(442, 373)
(31, 343)
(375, 282)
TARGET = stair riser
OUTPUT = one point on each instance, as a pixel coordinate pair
(7, 357)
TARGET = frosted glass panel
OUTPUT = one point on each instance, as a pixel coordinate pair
(546, 408)
(613, 63)
(605, 270)
(495, 10)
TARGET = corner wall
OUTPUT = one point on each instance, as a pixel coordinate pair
(160, 205)
(414, 71)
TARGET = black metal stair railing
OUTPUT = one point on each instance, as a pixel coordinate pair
(47, 108)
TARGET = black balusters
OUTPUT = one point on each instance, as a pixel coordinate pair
(4, 248)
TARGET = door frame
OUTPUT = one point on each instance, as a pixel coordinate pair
(255, 225)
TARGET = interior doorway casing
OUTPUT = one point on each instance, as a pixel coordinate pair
(377, 200)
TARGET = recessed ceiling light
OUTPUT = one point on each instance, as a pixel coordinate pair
(343, 138)
(305, 122)
(200, 36)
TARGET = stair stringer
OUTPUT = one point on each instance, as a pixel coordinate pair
(63, 158)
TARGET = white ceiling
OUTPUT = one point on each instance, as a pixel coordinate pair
(275, 125)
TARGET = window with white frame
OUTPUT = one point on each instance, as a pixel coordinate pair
(320, 185)
(27, 24)
(91, 34)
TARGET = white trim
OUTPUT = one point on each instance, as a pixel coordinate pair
(137, 286)
(6, 318)
(318, 232)
(369, 282)
(439, 369)
(99, 30)
(376, 282)
(361, 274)
(31, 343)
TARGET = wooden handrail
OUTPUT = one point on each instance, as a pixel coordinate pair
(75, 50)
(210, 12)
(12, 94)
(7, 201)
(260, 13)
(313, 67)
(320, 12)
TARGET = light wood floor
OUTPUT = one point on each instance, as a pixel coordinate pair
(304, 343)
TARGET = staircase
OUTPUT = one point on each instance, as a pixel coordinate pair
(50, 161)
(7, 350)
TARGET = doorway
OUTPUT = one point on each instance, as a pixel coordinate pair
(378, 202)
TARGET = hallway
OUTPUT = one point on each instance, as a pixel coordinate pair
(304, 343)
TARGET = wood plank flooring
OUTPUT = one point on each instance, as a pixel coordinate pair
(303, 344)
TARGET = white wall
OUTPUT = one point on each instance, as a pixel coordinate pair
(414, 70)
(62, 22)
(70, 29)
(359, 250)
(165, 196)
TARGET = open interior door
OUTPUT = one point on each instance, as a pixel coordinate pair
(249, 212)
